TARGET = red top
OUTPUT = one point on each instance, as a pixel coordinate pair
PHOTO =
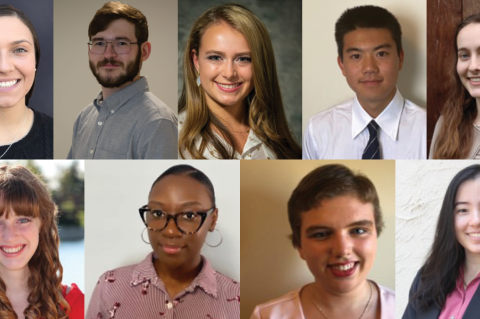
(76, 300)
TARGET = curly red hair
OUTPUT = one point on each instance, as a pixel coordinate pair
(24, 193)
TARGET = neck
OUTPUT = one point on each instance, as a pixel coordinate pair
(12, 117)
(335, 300)
(106, 92)
(234, 117)
(375, 108)
(15, 280)
(472, 266)
(184, 273)
(477, 119)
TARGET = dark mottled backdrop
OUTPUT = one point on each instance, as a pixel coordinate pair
(283, 19)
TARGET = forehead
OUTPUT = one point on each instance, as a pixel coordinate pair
(119, 28)
(367, 38)
(338, 212)
(469, 36)
(179, 188)
(13, 29)
(223, 37)
(469, 191)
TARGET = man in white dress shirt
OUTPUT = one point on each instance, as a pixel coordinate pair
(379, 123)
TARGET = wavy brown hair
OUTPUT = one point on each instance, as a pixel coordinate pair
(25, 194)
(266, 115)
(455, 137)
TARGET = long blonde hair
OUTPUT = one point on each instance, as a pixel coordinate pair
(266, 115)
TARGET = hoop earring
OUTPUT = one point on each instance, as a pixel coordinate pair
(146, 242)
(221, 240)
(198, 80)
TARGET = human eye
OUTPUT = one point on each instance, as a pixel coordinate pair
(98, 43)
(20, 50)
(382, 54)
(463, 55)
(158, 214)
(319, 235)
(461, 210)
(245, 59)
(214, 58)
(121, 43)
(23, 220)
(189, 216)
(355, 56)
(359, 231)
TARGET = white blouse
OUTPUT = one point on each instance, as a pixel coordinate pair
(253, 149)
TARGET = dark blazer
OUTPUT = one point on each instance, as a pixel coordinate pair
(472, 312)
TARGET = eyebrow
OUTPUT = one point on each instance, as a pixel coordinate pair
(363, 222)
(21, 41)
(223, 53)
(378, 47)
(117, 38)
(460, 203)
(183, 205)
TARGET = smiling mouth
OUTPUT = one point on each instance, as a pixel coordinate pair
(475, 80)
(474, 235)
(8, 84)
(12, 250)
(344, 270)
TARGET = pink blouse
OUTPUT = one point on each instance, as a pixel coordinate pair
(135, 292)
(459, 299)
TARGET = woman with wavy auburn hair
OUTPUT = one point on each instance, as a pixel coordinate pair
(457, 132)
(231, 105)
(30, 269)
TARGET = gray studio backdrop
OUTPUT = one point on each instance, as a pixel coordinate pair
(40, 13)
(283, 19)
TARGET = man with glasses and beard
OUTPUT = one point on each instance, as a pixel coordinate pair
(125, 120)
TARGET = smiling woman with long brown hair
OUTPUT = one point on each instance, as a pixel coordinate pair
(231, 105)
(457, 132)
(30, 269)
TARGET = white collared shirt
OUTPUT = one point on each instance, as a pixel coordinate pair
(254, 147)
(341, 132)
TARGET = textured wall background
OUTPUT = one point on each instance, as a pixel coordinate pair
(283, 19)
(421, 186)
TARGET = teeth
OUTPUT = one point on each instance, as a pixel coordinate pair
(226, 86)
(8, 84)
(12, 250)
(476, 235)
(475, 79)
(344, 267)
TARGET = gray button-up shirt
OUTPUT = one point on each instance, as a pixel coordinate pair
(130, 124)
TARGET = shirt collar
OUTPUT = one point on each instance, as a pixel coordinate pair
(388, 120)
(206, 279)
(119, 98)
(461, 280)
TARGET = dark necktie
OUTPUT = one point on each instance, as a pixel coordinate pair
(372, 151)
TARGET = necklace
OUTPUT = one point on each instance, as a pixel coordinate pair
(361, 316)
(24, 120)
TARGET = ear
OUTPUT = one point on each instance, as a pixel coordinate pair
(400, 58)
(340, 64)
(194, 57)
(146, 49)
(214, 220)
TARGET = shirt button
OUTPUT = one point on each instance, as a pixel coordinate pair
(100, 123)
(112, 111)
(91, 151)
(169, 305)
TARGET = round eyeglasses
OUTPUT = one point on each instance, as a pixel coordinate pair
(187, 222)
(119, 46)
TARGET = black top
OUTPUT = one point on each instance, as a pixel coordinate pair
(37, 144)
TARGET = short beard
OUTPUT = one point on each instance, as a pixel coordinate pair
(132, 70)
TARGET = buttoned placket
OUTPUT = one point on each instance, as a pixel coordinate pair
(104, 114)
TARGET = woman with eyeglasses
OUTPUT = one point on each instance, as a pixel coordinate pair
(24, 132)
(174, 280)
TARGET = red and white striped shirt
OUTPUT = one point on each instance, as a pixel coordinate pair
(136, 292)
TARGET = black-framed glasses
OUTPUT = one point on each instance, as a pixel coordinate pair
(119, 46)
(187, 222)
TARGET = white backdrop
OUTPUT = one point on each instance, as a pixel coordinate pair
(114, 190)
(420, 188)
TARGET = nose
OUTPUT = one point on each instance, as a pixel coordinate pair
(8, 232)
(171, 230)
(369, 64)
(6, 63)
(341, 245)
(229, 71)
(474, 65)
(475, 220)
(109, 50)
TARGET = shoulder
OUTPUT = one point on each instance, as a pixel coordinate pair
(43, 118)
(413, 110)
(227, 284)
(387, 295)
(286, 304)
(75, 298)
(153, 108)
(329, 115)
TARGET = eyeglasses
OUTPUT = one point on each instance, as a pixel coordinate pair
(187, 222)
(119, 46)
